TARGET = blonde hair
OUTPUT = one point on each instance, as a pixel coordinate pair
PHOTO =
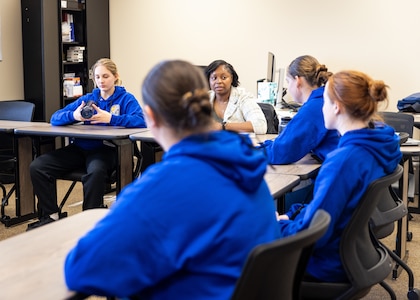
(110, 65)
(308, 67)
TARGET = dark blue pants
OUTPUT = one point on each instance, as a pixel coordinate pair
(45, 170)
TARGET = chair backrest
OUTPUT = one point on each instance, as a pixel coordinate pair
(274, 270)
(17, 110)
(365, 260)
(271, 117)
(14, 111)
(401, 122)
(390, 208)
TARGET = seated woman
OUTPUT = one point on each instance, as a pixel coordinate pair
(233, 108)
(306, 132)
(169, 235)
(367, 150)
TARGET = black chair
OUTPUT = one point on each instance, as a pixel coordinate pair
(274, 270)
(403, 123)
(391, 209)
(13, 111)
(76, 176)
(271, 117)
(366, 261)
(399, 121)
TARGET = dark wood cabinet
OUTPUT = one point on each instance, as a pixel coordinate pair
(45, 49)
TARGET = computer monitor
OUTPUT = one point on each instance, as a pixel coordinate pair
(271, 67)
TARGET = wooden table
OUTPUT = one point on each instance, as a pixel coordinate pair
(305, 168)
(9, 126)
(410, 151)
(25, 205)
(149, 146)
(24, 157)
(32, 262)
(280, 184)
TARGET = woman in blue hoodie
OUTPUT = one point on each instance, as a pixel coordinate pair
(367, 150)
(306, 132)
(183, 230)
(109, 105)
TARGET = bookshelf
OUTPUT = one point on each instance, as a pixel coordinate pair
(61, 41)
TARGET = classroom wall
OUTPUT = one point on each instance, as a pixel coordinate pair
(378, 37)
(11, 67)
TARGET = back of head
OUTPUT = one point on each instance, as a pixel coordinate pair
(217, 63)
(177, 93)
(110, 66)
(358, 93)
(309, 68)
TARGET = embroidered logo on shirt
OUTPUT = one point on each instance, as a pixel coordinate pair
(115, 110)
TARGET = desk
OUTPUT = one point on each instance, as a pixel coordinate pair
(280, 184)
(32, 262)
(305, 168)
(24, 157)
(402, 228)
(25, 207)
(10, 126)
(412, 151)
(149, 147)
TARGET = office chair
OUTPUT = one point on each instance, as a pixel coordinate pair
(366, 261)
(403, 123)
(271, 117)
(274, 270)
(389, 210)
(76, 176)
(399, 121)
(13, 111)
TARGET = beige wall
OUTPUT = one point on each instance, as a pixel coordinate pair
(379, 37)
(11, 68)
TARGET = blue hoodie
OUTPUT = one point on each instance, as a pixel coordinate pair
(304, 134)
(124, 107)
(362, 156)
(184, 229)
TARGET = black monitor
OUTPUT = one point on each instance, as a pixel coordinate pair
(271, 67)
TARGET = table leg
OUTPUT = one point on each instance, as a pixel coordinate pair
(402, 227)
(25, 199)
(149, 150)
(125, 163)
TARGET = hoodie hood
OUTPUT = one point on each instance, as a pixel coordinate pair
(231, 154)
(382, 143)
